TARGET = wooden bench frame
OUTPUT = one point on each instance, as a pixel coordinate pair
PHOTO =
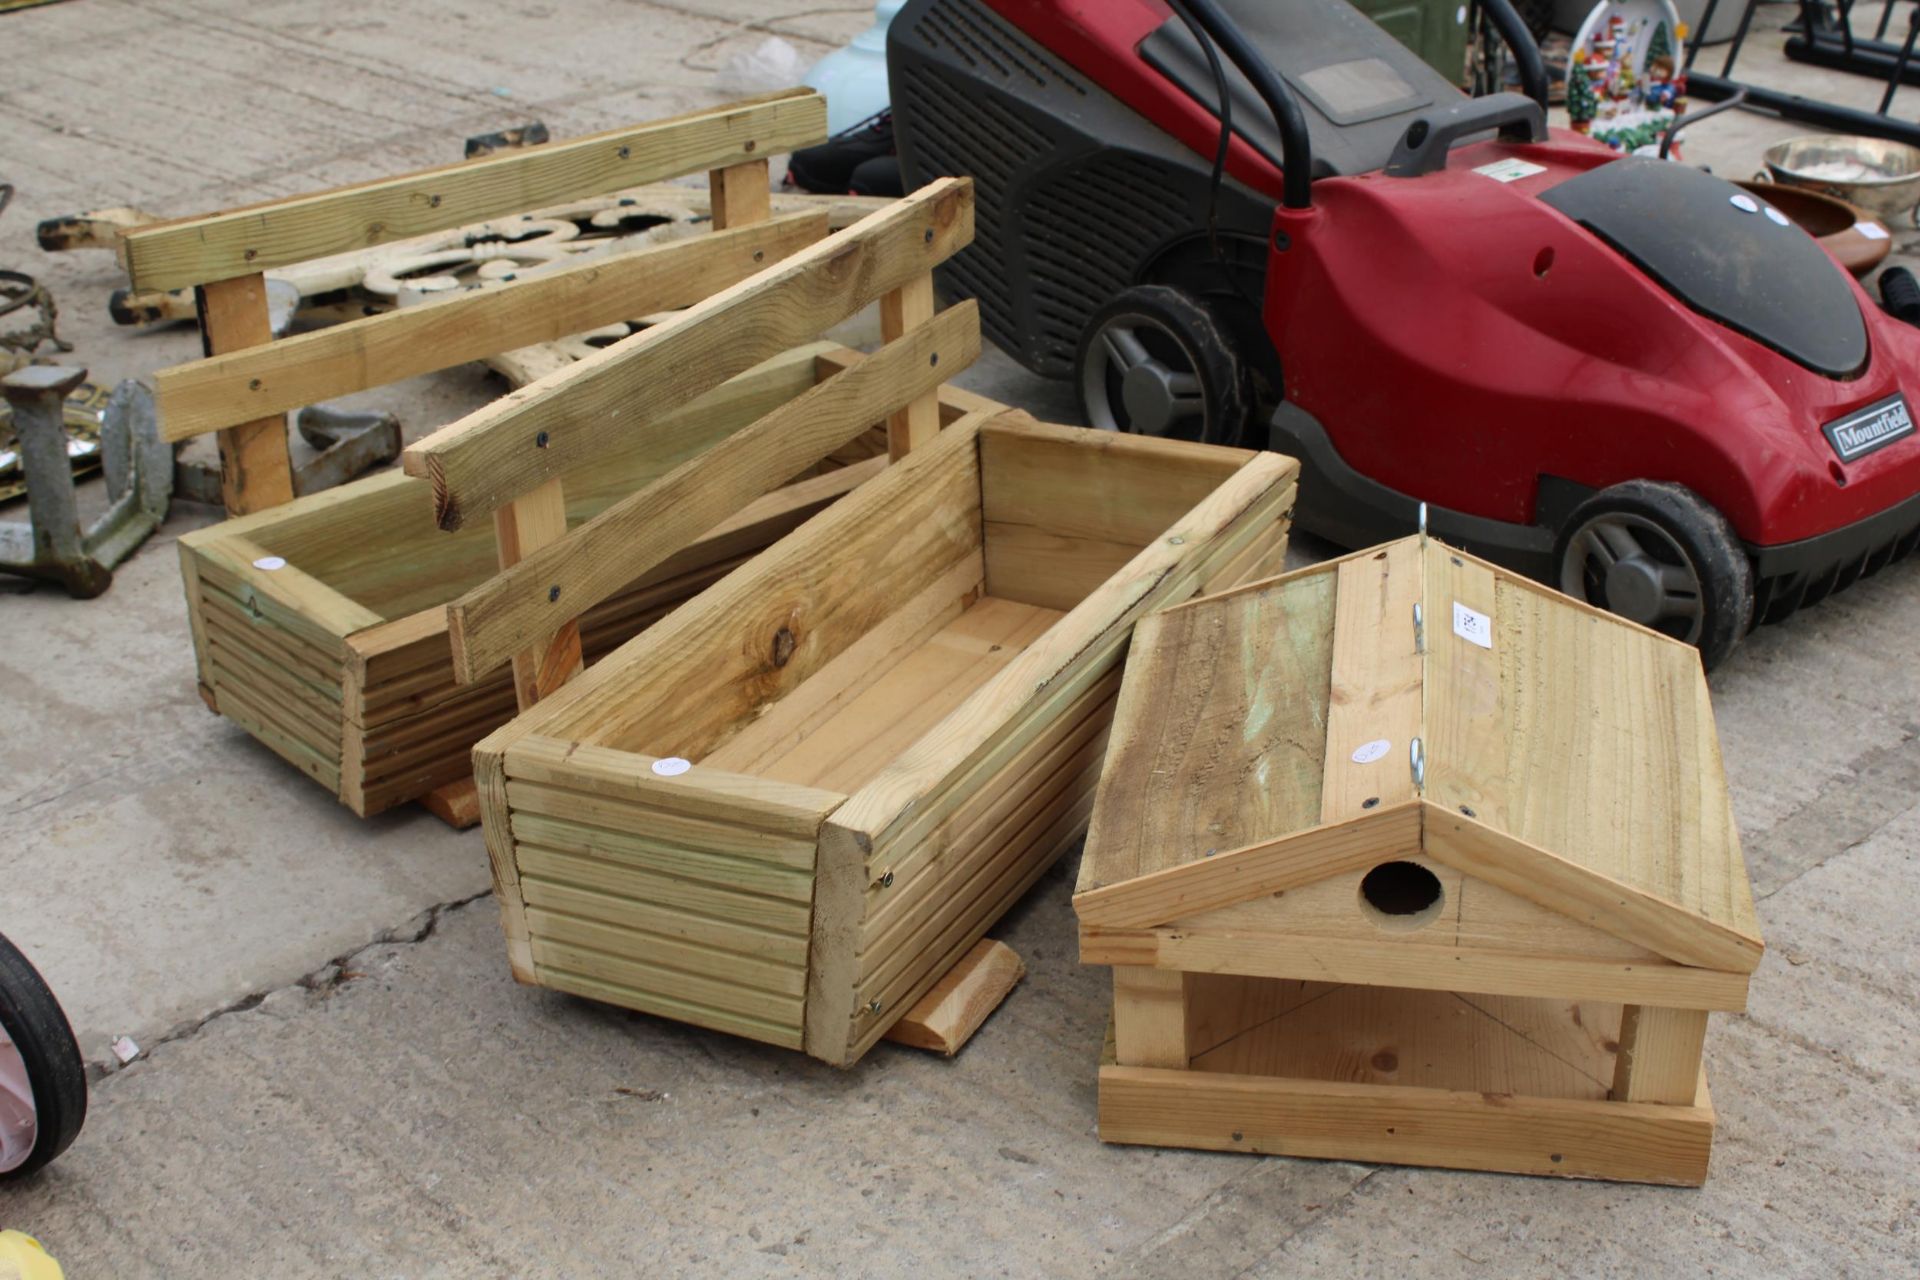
(223, 257)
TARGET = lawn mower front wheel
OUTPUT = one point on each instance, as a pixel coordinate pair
(1657, 554)
(1155, 361)
(43, 1082)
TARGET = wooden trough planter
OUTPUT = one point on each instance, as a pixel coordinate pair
(785, 811)
(1406, 859)
(320, 626)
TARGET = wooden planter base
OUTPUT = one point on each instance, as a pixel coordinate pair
(1383, 1075)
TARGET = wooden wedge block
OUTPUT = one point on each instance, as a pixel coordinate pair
(957, 1005)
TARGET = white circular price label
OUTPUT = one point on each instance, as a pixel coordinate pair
(1368, 752)
(672, 766)
(270, 563)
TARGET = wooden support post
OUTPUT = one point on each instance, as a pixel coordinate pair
(1150, 1017)
(255, 469)
(522, 527)
(949, 1014)
(1659, 1058)
(900, 310)
(741, 193)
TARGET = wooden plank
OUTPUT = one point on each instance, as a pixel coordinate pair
(1558, 1137)
(573, 573)
(1199, 767)
(1150, 1017)
(741, 195)
(238, 242)
(1659, 1058)
(1374, 705)
(1544, 877)
(457, 803)
(522, 527)
(901, 311)
(614, 993)
(948, 1015)
(256, 471)
(708, 794)
(307, 607)
(790, 721)
(1440, 967)
(306, 368)
(903, 702)
(578, 415)
(1256, 871)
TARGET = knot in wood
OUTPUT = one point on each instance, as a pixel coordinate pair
(783, 646)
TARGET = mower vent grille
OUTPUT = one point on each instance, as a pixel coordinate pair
(979, 37)
(994, 147)
(1778, 597)
(1088, 228)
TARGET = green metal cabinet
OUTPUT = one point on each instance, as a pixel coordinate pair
(1434, 29)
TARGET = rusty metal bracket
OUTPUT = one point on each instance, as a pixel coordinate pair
(52, 545)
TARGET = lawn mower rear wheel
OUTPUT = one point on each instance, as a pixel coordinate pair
(1155, 361)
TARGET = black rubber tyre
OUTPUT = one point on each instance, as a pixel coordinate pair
(1155, 361)
(1658, 554)
(34, 1022)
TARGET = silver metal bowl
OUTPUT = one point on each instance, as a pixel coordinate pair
(1879, 176)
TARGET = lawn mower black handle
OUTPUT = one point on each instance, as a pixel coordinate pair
(1423, 147)
(1296, 152)
(1520, 42)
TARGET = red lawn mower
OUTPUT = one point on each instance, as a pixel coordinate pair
(1266, 221)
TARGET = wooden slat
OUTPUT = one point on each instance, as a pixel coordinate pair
(256, 471)
(1256, 954)
(1559, 1137)
(640, 531)
(1150, 1017)
(238, 242)
(524, 526)
(1256, 871)
(901, 311)
(1544, 877)
(1375, 684)
(375, 351)
(741, 194)
(579, 414)
(709, 794)
(1659, 1057)
(948, 1015)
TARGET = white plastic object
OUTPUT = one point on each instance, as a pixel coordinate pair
(18, 1116)
(771, 64)
(854, 79)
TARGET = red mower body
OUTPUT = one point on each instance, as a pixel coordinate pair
(1461, 341)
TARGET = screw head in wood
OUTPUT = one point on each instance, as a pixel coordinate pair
(873, 1006)
(540, 441)
(624, 152)
(1369, 802)
(886, 881)
(928, 238)
(553, 594)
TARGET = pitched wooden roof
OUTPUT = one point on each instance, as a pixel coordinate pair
(1265, 738)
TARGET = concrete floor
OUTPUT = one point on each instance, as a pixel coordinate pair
(340, 1078)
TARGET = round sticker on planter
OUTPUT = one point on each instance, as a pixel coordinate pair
(270, 563)
(1368, 752)
(1744, 203)
(1776, 217)
(672, 766)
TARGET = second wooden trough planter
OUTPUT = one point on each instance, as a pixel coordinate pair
(320, 626)
(785, 811)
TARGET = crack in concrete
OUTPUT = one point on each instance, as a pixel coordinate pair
(335, 973)
(1345, 1202)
